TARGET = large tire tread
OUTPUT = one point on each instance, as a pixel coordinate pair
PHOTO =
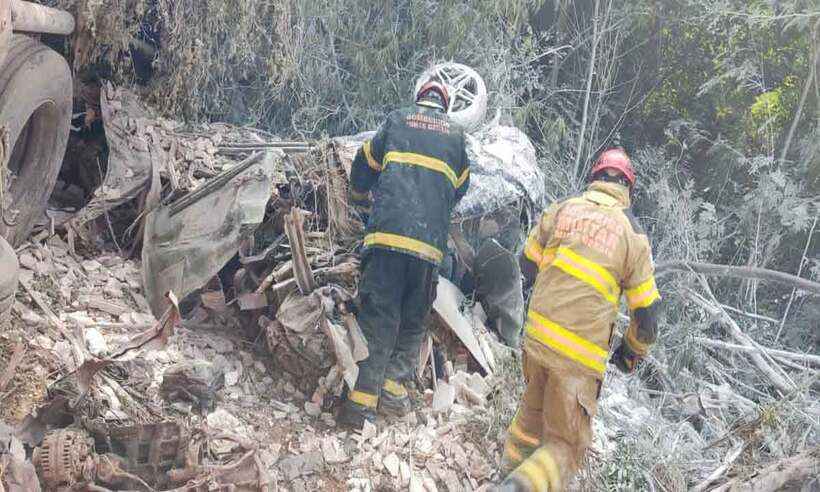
(34, 77)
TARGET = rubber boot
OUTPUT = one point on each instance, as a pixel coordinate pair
(397, 406)
(353, 415)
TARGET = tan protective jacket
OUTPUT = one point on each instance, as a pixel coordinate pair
(589, 250)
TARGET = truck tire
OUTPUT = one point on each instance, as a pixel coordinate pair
(35, 108)
(9, 271)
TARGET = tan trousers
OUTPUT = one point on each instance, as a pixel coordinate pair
(549, 436)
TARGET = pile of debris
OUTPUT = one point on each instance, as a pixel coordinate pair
(111, 382)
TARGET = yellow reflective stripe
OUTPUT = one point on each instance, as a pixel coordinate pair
(364, 399)
(643, 295)
(589, 272)
(394, 388)
(406, 243)
(373, 163)
(566, 343)
(463, 177)
(523, 437)
(533, 251)
(423, 161)
(547, 258)
(535, 475)
(545, 459)
(600, 270)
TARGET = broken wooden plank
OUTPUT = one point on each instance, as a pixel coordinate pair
(294, 228)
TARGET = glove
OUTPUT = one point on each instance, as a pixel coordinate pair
(625, 359)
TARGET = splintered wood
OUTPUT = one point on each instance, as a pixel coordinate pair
(294, 228)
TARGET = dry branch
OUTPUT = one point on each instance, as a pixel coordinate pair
(722, 469)
(794, 470)
(807, 358)
(713, 269)
(713, 308)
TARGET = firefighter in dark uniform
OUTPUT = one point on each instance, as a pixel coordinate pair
(416, 170)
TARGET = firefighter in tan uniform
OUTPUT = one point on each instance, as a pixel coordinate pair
(586, 251)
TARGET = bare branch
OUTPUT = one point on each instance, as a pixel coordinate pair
(807, 358)
(713, 269)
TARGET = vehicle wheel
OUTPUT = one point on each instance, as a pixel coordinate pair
(468, 93)
(35, 109)
(9, 271)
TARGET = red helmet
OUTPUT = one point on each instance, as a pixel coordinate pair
(618, 160)
(436, 86)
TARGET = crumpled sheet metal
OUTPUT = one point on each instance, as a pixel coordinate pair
(503, 169)
(127, 125)
(188, 241)
(446, 306)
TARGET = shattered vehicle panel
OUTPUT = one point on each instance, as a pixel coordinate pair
(446, 307)
(503, 169)
(132, 152)
(188, 241)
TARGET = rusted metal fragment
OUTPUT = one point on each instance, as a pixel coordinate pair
(64, 459)
(294, 228)
(446, 308)
(188, 241)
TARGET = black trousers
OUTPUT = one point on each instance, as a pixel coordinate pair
(396, 292)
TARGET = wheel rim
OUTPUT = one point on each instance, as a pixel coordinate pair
(466, 88)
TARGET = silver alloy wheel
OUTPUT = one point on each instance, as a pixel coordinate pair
(468, 93)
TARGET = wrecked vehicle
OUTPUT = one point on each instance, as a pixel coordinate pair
(35, 116)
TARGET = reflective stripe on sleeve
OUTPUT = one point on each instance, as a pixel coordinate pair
(406, 243)
(643, 295)
(364, 399)
(426, 162)
(373, 163)
(566, 342)
(589, 272)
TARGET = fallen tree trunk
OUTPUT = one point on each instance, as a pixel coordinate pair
(794, 470)
(713, 269)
